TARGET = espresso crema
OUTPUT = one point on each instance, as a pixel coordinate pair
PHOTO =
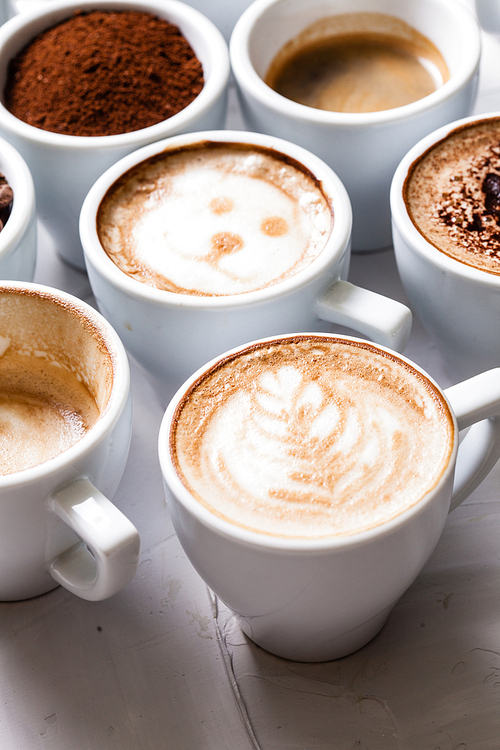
(215, 219)
(357, 62)
(311, 437)
(452, 194)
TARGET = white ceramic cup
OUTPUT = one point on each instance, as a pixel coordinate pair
(18, 237)
(171, 335)
(364, 149)
(65, 166)
(56, 524)
(459, 305)
(321, 599)
(488, 13)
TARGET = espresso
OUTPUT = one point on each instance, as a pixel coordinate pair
(56, 375)
(311, 437)
(215, 219)
(357, 62)
(452, 193)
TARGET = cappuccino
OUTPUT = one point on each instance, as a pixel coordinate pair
(311, 436)
(215, 219)
(357, 62)
(452, 194)
(55, 379)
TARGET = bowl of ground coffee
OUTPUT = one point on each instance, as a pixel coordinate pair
(17, 216)
(84, 83)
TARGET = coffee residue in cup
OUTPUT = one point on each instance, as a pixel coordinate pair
(6, 200)
(453, 195)
(103, 73)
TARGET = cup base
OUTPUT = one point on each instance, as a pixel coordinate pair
(315, 646)
(29, 589)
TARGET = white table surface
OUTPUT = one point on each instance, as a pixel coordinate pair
(162, 666)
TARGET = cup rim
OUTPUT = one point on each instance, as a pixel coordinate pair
(336, 245)
(120, 388)
(19, 177)
(401, 218)
(254, 539)
(187, 18)
(248, 78)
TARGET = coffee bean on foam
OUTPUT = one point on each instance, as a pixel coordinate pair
(312, 437)
(452, 193)
(215, 219)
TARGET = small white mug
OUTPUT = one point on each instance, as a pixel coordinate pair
(322, 598)
(458, 304)
(65, 166)
(364, 149)
(56, 524)
(18, 237)
(171, 335)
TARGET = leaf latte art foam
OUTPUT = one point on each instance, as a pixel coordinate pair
(214, 219)
(311, 437)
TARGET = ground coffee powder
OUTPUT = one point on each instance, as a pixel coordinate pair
(103, 73)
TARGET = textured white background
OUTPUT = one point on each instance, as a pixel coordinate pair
(161, 666)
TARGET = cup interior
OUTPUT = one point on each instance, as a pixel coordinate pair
(44, 326)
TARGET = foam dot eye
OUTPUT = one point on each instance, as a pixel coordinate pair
(274, 226)
(221, 205)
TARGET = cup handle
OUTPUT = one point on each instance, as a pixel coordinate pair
(380, 318)
(476, 402)
(106, 558)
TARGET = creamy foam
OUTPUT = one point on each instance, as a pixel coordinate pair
(214, 220)
(452, 193)
(357, 62)
(311, 438)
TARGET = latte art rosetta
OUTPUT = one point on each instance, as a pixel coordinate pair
(312, 439)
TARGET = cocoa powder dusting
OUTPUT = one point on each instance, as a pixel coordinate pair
(103, 73)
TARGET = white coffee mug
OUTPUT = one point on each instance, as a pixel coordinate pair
(323, 598)
(363, 148)
(57, 525)
(18, 237)
(488, 13)
(459, 305)
(65, 166)
(171, 335)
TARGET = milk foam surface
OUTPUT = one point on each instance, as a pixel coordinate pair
(44, 409)
(311, 438)
(214, 220)
(453, 195)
